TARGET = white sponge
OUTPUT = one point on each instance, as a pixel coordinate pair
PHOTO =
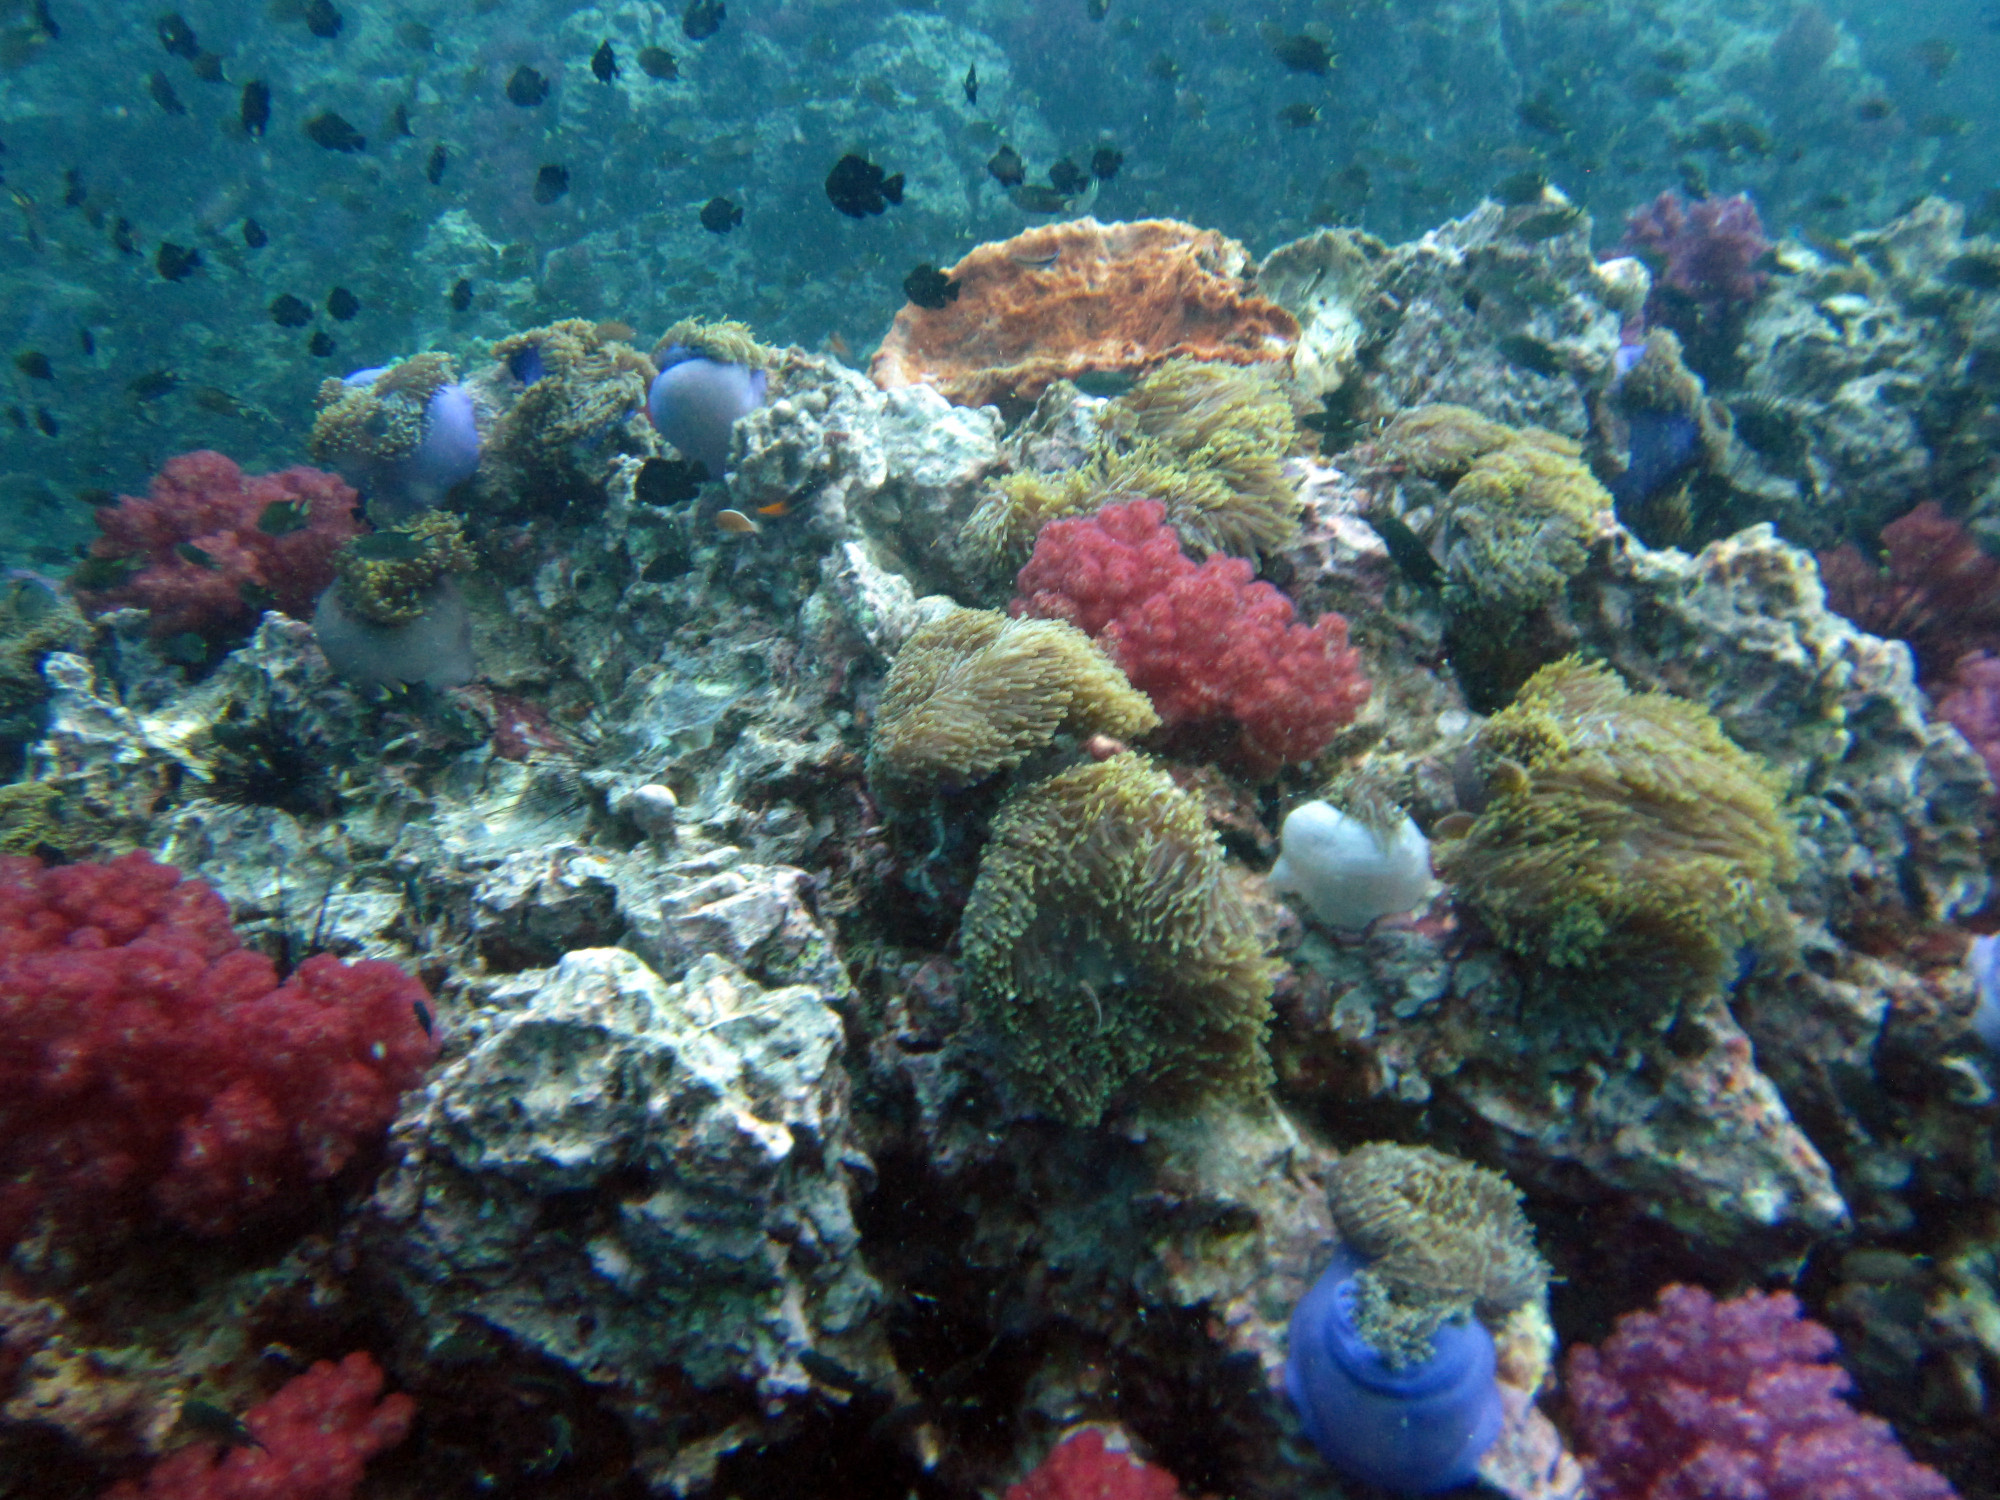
(1349, 873)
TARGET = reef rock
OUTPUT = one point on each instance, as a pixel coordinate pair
(1865, 384)
(1705, 1133)
(692, 1141)
(1505, 311)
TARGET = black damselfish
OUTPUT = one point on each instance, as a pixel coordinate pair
(702, 19)
(929, 287)
(322, 20)
(255, 111)
(858, 188)
(329, 130)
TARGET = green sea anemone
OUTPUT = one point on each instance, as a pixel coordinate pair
(1208, 441)
(1104, 948)
(1442, 1239)
(1627, 847)
(975, 693)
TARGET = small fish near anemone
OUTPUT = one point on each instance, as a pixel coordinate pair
(694, 403)
(1412, 1429)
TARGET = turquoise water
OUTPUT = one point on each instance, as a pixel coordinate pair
(1423, 109)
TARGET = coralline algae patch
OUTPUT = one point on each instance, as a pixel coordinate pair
(1192, 940)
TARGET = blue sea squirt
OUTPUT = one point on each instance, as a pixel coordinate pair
(1392, 1359)
(1414, 1428)
(710, 375)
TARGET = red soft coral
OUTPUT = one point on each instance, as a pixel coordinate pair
(1085, 1467)
(1205, 643)
(316, 1435)
(1737, 1400)
(1937, 589)
(1092, 569)
(155, 1066)
(210, 568)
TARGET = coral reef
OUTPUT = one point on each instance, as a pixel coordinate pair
(1863, 386)
(208, 548)
(1517, 516)
(1207, 441)
(1705, 257)
(309, 1441)
(162, 1071)
(1106, 951)
(1064, 300)
(1505, 311)
(1506, 518)
(1228, 429)
(973, 693)
(1739, 1397)
(1970, 703)
(708, 1117)
(1936, 588)
(1321, 280)
(1659, 430)
(1205, 642)
(801, 1120)
(35, 619)
(1745, 1132)
(1626, 845)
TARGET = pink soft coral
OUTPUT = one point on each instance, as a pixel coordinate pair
(316, 1435)
(1970, 703)
(1083, 1466)
(1937, 589)
(1737, 1400)
(154, 1066)
(1205, 642)
(1709, 251)
(209, 566)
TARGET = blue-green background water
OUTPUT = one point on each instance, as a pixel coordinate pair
(1831, 115)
